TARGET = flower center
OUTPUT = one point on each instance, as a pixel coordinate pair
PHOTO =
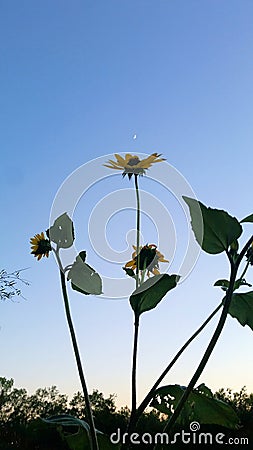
(133, 161)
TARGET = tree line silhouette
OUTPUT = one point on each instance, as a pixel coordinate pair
(22, 427)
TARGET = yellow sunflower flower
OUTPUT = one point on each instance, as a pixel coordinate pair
(40, 246)
(132, 164)
(149, 258)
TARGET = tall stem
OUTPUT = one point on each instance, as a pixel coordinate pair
(93, 436)
(138, 226)
(136, 316)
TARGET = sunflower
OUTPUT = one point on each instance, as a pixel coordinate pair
(149, 258)
(40, 246)
(132, 164)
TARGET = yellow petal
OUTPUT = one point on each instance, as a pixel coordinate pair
(120, 160)
(130, 263)
(129, 156)
(114, 163)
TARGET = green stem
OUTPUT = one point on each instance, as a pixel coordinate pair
(136, 317)
(138, 225)
(94, 442)
(135, 347)
(214, 339)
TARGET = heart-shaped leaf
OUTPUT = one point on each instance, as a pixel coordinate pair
(84, 278)
(152, 291)
(220, 229)
(62, 231)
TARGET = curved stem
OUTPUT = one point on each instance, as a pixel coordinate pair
(214, 339)
(150, 394)
(93, 436)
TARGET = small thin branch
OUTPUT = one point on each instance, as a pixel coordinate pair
(8, 284)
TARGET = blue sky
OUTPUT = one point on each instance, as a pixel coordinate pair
(78, 80)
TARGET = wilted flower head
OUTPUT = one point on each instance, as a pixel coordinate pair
(132, 164)
(149, 258)
(40, 246)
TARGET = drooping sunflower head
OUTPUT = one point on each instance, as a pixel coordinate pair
(40, 246)
(149, 258)
(132, 164)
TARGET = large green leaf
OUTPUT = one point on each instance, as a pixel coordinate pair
(241, 308)
(201, 406)
(76, 433)
(84, 278)
(247, 219)
(220, 229)
(62, 231)
(151, 292)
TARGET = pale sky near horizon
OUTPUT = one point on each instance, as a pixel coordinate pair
(78, 81)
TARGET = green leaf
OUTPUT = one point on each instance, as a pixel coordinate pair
(222, 283)
(247, 219)
(62, 231)
(84, 278)
(201, 406)
(151, 292)
(220, 229)
(241, 308)
(78, 439)
(225, 283)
